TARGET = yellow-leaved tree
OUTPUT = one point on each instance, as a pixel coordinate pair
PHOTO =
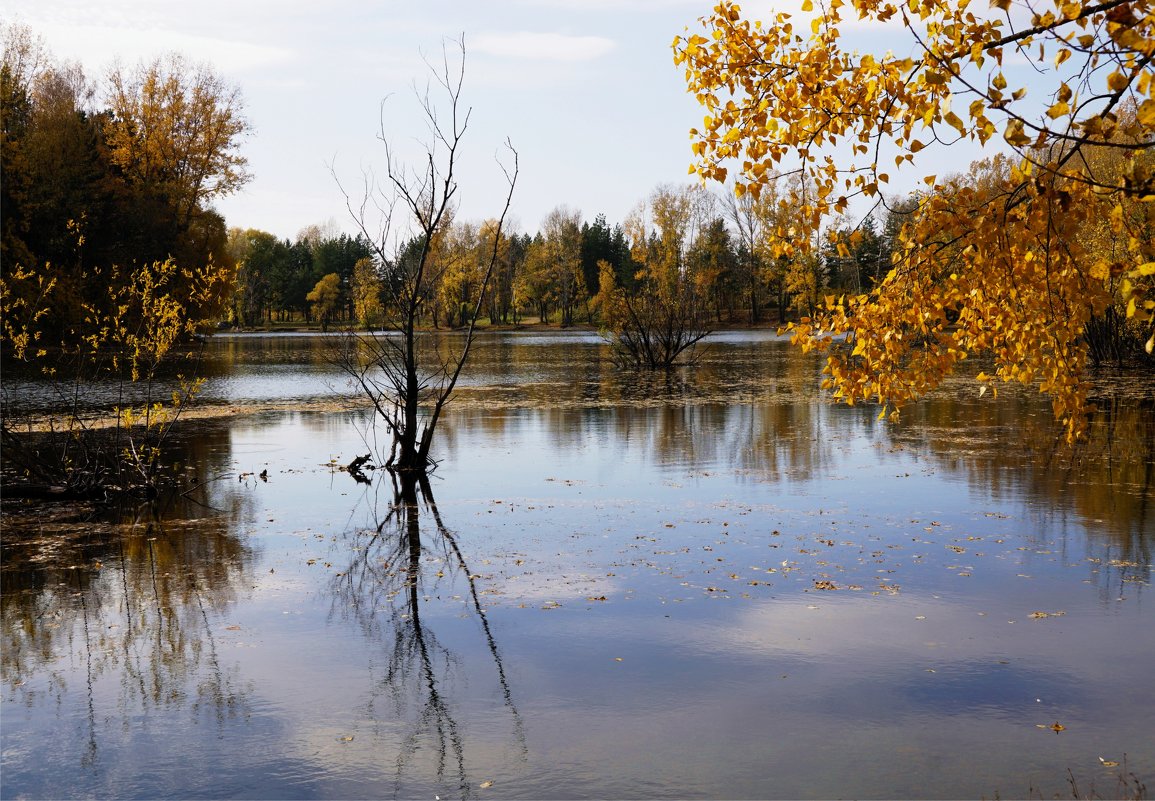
(1001, 267)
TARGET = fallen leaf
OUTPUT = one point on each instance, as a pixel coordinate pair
(485, 784)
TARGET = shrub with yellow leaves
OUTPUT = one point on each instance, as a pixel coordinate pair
(146, 316)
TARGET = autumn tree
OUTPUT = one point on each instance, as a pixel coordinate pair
(93, 178)
(262, 261)
(1113, 335)
(338, 252)
(325, 298)
(455, 274)
(999, 271)
(561, 255)
(710, 263)
(366, 292)
(174, 127)
(499, 300)
(664, 314)
(747, 221)
(108, 274)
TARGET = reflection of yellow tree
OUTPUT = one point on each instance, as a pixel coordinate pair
(382, 590)
(1110, 479)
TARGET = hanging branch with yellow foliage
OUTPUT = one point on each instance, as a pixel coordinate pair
(999, 268)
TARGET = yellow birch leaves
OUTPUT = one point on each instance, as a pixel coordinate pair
(997, 264)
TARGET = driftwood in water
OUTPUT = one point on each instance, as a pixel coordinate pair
(354, 468)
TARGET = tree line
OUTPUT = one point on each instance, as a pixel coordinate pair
(716, 251)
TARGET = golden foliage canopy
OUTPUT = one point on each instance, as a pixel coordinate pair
(1000, 266)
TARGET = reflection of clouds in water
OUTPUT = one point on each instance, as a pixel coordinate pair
(928, 654)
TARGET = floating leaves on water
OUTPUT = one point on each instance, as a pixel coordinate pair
(345, 738)
(1109, 763)
(551, 605)
(232, 628)
(1056, 727)
(1040, 615)
(596, 598)
(485, 784)
(824, 584)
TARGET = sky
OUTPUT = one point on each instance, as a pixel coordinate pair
(585, 90)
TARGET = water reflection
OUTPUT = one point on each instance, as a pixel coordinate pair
(132, 610)
(394, 575)
(1012, 449)
(637, 557)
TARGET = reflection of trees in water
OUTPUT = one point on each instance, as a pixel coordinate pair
(580, 374)
(748, 405)
(1013, 449)
(395, 570)
(135, 603)
(755, 407)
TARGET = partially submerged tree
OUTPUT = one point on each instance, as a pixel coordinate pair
(407, 374)
(664, 314)
(1004, 269)
(79, 452)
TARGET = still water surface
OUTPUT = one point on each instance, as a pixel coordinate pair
(708, 584)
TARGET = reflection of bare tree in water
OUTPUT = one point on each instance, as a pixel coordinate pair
(393, 571)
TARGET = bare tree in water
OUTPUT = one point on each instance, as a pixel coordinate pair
(408, 374)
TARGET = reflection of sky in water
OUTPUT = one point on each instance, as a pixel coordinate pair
(715, 665)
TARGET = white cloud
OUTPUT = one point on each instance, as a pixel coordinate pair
(95, 46)
(541, 46)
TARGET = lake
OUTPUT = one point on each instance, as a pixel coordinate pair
(707, 583)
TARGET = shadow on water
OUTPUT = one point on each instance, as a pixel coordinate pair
(396, 571)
